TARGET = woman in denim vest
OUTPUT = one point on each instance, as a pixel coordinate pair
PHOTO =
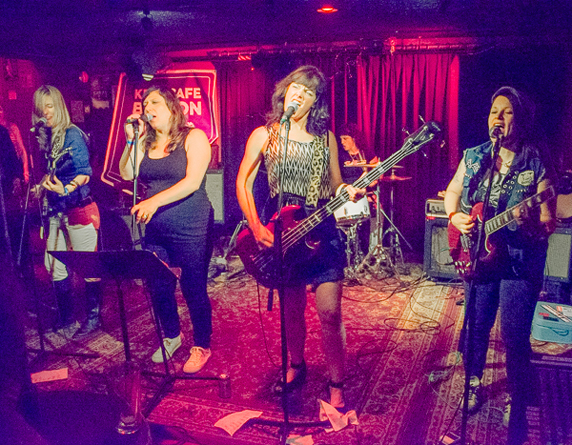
(513, 284)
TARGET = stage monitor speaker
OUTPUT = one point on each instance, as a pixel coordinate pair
(558, 256)
(437, 262)
(555, 374)
(215, 192)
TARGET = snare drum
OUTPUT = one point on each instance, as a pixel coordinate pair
(352, 212)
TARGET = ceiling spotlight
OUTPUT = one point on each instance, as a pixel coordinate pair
(327, 9)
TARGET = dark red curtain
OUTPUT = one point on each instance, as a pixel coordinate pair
(393, 92)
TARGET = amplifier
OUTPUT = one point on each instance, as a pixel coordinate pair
(435, 208)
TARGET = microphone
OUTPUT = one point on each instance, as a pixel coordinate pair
(144, 117)
(41, 122)
(290, 110)
(496, 131)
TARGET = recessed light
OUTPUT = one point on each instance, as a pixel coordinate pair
(326, 9)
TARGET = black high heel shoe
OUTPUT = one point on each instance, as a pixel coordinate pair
(298, 380)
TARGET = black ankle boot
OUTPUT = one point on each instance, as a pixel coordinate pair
(93, 307)
(63, 291)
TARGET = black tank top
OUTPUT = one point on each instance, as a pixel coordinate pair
(190, 212)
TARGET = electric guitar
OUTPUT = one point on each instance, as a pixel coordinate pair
(462, 247)
(45, 206)
(263, 264)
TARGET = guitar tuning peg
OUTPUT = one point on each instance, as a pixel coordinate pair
(404, 130)
(421, 119)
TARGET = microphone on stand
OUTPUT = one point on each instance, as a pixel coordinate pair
(497, 131)
(144, 117)
(41, 122)
(290, 110)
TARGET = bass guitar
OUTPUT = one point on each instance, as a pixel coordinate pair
(263, 263)
(462, 247)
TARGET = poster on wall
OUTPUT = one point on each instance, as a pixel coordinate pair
(196, 91)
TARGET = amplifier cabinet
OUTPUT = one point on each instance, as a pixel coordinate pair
(557, 266)
(437, 262)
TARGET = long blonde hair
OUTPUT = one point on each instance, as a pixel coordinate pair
(61, 120)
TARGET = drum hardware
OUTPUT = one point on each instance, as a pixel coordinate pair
(377, 263)
(348, 218)
(393, 233)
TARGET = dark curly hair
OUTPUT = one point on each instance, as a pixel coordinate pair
(179, 127)
(310, 77)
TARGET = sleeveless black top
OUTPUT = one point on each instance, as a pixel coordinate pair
(191, 212)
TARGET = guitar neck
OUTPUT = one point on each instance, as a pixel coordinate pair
(505, 218)
(321, 214)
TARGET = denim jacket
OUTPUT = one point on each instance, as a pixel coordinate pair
(521, 182)
(74, 161)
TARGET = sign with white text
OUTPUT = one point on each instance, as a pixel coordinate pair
(196, 91)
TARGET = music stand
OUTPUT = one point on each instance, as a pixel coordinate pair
(127, 265)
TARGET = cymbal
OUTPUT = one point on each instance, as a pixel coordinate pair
(392, 178)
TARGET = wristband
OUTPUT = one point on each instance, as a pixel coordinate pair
(131, 142)
(452, 214)
(66, 192)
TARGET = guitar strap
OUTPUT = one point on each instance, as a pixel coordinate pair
(317, 169)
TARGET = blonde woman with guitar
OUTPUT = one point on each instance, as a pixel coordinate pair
(72, 213)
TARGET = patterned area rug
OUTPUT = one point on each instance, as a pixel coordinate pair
(404, 377)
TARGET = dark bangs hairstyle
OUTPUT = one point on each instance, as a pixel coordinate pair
(523, 109)
(179, 127)
(319, 115)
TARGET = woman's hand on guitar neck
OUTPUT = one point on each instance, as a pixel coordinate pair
(55, 186)
(463, 222)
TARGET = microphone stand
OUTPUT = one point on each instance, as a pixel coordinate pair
(468, 322)
(136, 238)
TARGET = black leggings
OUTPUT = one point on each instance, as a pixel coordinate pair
(191, 252)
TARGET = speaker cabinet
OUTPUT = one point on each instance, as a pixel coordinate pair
(555, 375)
(215, 192)
(557, 266)
(437, 263)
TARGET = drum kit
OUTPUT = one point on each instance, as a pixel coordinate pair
(379, 262)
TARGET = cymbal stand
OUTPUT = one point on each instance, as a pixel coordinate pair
(393, 232)
(378, 262)
(353, 255)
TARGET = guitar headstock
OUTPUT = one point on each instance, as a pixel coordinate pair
(423, 135)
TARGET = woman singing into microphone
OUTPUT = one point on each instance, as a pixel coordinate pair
(310, 144)
(172, 161)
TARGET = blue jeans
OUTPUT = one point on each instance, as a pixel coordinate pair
(516, 300)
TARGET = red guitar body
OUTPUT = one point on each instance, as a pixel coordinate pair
(461, 247)
(262, 263)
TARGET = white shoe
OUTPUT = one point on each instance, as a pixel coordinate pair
(199, 357)
(171, 345)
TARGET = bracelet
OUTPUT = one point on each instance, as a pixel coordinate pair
(131, 142)
(452, 214)
(66, 192)
(74, 184)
